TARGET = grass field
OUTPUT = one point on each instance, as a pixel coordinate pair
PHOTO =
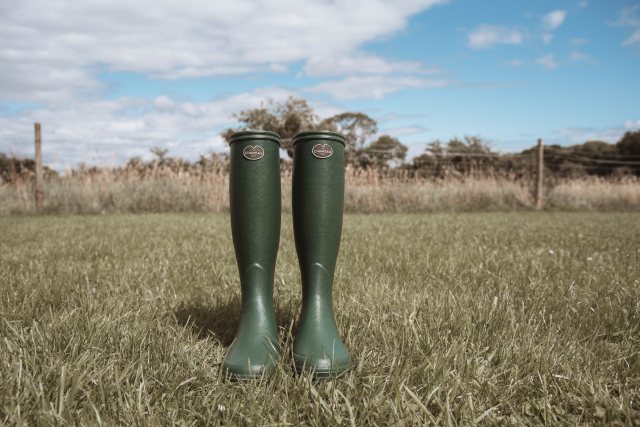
(511, 318)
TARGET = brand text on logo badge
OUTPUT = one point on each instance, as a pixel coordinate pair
(322, 151)
(253, 152)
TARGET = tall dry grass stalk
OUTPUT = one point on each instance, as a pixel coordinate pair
(367, 191)
(596, 194)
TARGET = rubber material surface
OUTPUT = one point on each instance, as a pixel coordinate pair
(317, 201)
(254, 193)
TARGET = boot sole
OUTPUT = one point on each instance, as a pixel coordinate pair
(322, 373)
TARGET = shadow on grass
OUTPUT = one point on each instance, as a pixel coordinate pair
(221, 319)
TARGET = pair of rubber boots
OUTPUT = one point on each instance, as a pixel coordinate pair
(317, 203)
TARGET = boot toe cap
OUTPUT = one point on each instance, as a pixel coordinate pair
(323, 366)
(250, 362)
(246, 371)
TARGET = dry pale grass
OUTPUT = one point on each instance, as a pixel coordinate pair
(160, 190)
(367, 191)
(596, 194)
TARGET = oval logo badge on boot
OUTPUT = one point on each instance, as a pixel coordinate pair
(322, 151)
(253, 152)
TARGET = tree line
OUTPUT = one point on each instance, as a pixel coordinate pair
(470, 154)
(366, 148)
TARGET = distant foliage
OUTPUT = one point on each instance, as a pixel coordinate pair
(383, 152)
(458, 157)
(595, 158)
(213, 162)
(471, 155)
(629, 145)
(460, 174)
(13, 169)
(295, 115)
(365, 148)
(284, 118)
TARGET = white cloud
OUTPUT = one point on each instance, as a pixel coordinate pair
(550, 22)
(633, 38)
(553, 20)
(607, 134)
(53, 52)
(51, 48)
(374, 87)
(578, 41)
(109, 132)
(404, 131)
(361, 63)
(487, 36)
(112, 131)
(578, 56)
(547, 61)
(632, 125)
(628, 17)
(583, 3)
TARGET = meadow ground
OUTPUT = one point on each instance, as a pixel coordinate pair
(511, 318)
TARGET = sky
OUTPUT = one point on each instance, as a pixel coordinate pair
(111, 79)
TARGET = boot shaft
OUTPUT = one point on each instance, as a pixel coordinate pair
(254, 196)
(318, 199)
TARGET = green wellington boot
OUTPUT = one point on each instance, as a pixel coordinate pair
(318, 199)
(254, 193)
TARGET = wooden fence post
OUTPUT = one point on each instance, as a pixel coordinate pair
(539, 187)
(39, 188)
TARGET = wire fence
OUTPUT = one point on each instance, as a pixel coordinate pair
(528, 174)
